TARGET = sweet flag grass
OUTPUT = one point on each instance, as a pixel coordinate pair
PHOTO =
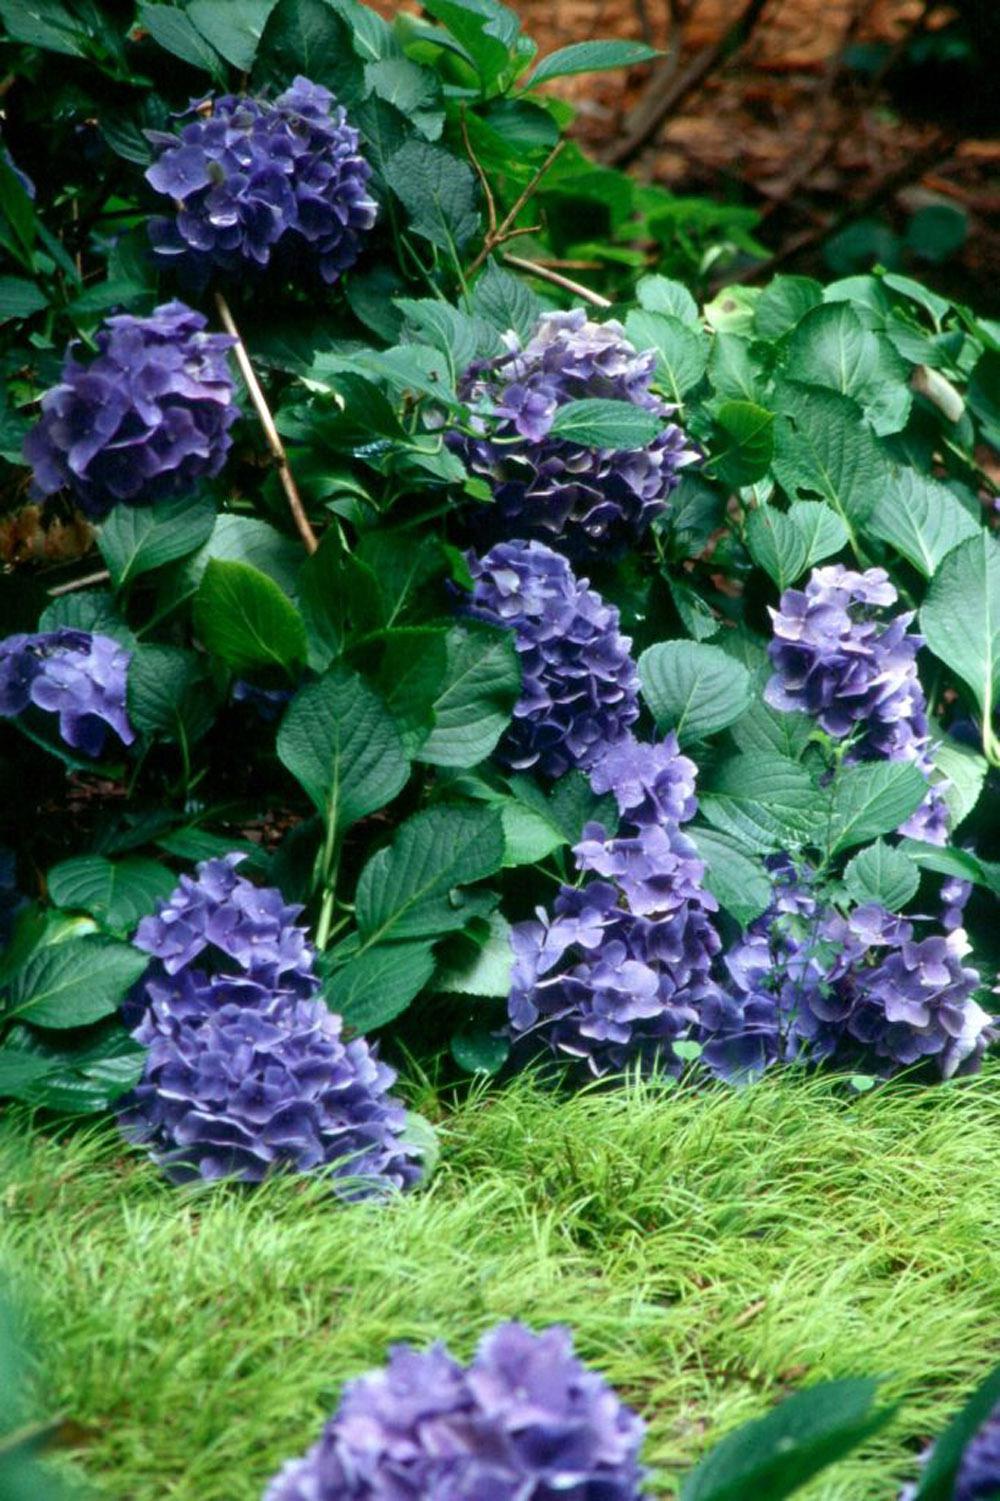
(712, 1251)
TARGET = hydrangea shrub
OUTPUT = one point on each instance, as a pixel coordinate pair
(594, 672)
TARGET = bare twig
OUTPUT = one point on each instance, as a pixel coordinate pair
(271, 433)
(545, 273)
(664, 93)
(496, 234)
(102, 576)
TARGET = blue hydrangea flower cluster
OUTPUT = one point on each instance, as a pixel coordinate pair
(580, 686)
(621, 970)
(525, 1419)
(860, 989)
(254, 177)
(246, 1071)
(856, 675)
(77, 675)
(145, 420)
(978, 1475)
(589, 503)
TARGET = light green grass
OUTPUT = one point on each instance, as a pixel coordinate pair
(711, 1252)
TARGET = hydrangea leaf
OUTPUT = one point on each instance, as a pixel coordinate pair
(480, 1051)
(479, 968)
(882, 873)
(965, 773)
(734, 879)
(693, 688)
(921, 519)
(776, 544)
(410, 889)
(591, 57)
(74, 983)
(438, 191)
(485, 29)
(136, 539)
(659, 294)
(234, 29)
(872, 799)
(764, 802)
(505, 301)
(342, 745)
(243, 617)
(960, 618)
(174, 31)
(681, 350)
(783, 303)
(832, 347)
(309, 37)
(597, 423)
(170, 693)
(778, 1453)
(823, 446)
(375, 987)
(480, 687)
(744, 443)
(116, 892)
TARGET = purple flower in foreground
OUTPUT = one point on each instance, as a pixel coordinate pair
(588, 502)
(250, 178)
(579, 684)
(857, 675)
(145, 420)
(524, 1421)
(977, 1477)
(650, 783)
(77, 675)
(220, 919)
(243, 1081)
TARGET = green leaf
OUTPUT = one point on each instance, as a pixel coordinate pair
(591, 57)
(234, 29)
(681, 350)
(921, 519)
(598, 423)
(505, 301)
(375, 987)
(481, 969)
(822, 530)
(308, 37)
(882, 873)
(832, 347)
(170, 693)
(735, 370)
(743, 444)
(766, 729)
(342, 745)
(480, 688)
(438, 191)
(413, 90)
(659, 294)
(485, 29)
(776, 545)
(135, 539)
(409, 677)
(937, 231)
(737, 882)
(461, 337)
(873, 798)
(937, 1479)
(960, 618)
(764, 802)
(116, 892)
(822, 446)
(241, 539)
(479, 1051)
(19, 298)
(965, 772)
(45, 24)
(243, 618)
(409, 889)
(73, 983)
(172, 30)
(783, 303)
(780, 1452)
(692, 688)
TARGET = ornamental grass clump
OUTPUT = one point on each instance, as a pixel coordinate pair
(856, 675)
(250, 178)
(621, 970)
(580, 687)
(587, 502)
(524, 1419)
(147, 419)
(77, 675)
(246, 1071)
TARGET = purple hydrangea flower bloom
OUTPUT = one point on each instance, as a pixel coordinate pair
(580, 688)
(650, 783)
(220, 919)
(250, 178)
(587, 502)
(978, 1477)
(243, 1080)
(79, 676)
(146, 419)
(858, 989)
(857, 676)
(525, 1419)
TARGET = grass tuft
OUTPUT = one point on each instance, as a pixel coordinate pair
(712, 1252)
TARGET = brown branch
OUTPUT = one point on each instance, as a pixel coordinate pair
(545, 273)
(505, 229)
(271, 433)
(664, 94)
(102, 576)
